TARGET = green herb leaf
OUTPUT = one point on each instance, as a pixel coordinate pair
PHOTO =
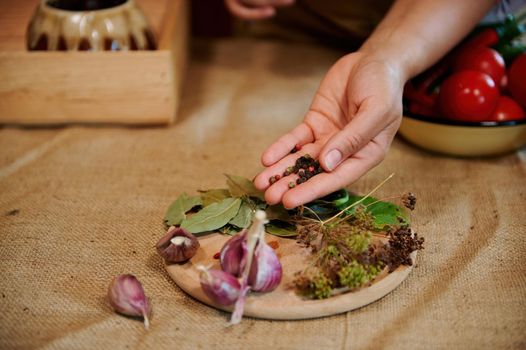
(240, 186)
(243, 217)
(384, 213)
(281, 228)
(213, 216)
(176, 212)
(214, 196)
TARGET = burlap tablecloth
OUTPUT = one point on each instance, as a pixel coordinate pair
(81, 204)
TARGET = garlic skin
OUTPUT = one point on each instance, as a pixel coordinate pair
(233, 255)
(177, 245)
(266, 270)
(126, 296)
(220, 286)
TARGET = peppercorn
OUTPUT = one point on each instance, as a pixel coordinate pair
(292, 184)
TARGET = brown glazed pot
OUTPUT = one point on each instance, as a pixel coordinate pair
(89, 25)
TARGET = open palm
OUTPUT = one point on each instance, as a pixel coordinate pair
(349, 128)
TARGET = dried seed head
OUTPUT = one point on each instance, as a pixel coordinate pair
(177, 245)
(409, 200)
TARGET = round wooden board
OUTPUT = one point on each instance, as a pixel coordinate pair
(282, 303)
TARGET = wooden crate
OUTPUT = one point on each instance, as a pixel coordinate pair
(128, 87)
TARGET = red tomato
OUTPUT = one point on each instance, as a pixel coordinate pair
(483, 59)
(468, 95)
(507, 109)
(517, 79)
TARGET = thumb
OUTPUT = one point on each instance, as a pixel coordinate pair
(353, 137)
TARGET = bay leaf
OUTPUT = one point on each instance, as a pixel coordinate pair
(281, 228)
(213, 216)
(277, 212)
(243, 217)
(240, 186)
(214, 195)
(384, 213)
(176, 212)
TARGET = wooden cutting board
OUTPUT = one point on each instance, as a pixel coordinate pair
(282, 303)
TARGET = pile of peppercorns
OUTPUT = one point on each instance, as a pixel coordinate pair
(305, 167)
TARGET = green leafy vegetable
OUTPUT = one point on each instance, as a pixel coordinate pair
(176, 212)
(240, 186)
(281, 228)
(384, 213)
(213, 216)
(243, 217)
(214, 196)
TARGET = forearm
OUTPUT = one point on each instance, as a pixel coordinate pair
(417, 33)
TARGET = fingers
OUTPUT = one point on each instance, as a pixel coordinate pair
(301, 135)
(321, 185)
(250, 13)
(262, 180)
(367, 123)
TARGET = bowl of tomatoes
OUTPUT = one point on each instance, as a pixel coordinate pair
(472, 102)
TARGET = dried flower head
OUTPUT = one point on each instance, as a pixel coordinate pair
(409, 200)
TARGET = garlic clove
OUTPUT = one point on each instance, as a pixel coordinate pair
(177, 245)
(233, 255)
(126, 296)
(220, 286)
(266, 270)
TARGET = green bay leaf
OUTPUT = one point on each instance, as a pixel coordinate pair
(281, 228)
(213, 216)
(214, 195)
(240, 186)
(277, 212)
(243, 217)
(176, 212)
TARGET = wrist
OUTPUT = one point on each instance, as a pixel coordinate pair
(394, 54)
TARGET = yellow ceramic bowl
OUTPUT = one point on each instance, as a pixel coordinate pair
(466, 139)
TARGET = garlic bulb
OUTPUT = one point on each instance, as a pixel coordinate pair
(265, 270)
(233, 255)
(177, 245)
(220, 286)
(126, 296)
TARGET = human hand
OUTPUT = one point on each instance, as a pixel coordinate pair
(255, 9)
(349, 127)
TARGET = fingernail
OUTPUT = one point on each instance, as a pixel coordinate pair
(332, 159)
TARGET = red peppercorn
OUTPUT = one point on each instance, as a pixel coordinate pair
(217, 255)
(277, 177)
(297, 147)
(274, 244)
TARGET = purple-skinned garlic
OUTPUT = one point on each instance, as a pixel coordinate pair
(233, 255)
(266, 271)
(177, 245)
(220, 286)
(126, 296)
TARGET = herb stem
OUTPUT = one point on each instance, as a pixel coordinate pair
(358, 202)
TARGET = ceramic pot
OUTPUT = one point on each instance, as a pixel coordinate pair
(89, 25)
